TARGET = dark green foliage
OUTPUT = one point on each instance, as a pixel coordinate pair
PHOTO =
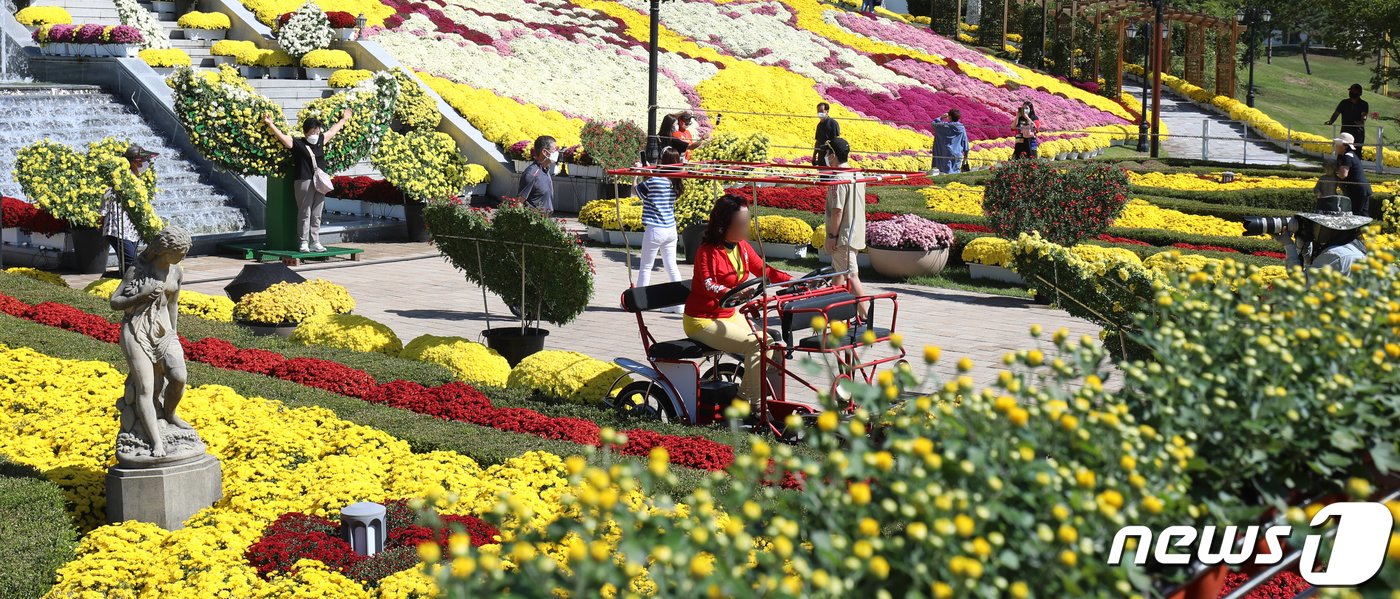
(1064, 204)
(945, 18)
(1032, 38)
(38, 536)
(989, 27)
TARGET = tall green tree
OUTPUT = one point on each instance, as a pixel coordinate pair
(989, 27)
(1364, 30)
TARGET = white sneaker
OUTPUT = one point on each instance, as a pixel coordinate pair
(317, 247)
(303, 249)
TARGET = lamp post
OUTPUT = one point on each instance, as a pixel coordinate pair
(360, 23)
(1250, 17)
(1159, 34)
(653, 147)
(1146, 64)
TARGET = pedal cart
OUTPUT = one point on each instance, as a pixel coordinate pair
(684, 380)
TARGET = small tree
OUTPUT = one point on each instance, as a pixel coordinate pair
(613, 147)
(1063, 205)
(989, 27)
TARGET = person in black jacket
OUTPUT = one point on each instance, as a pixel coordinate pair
(827, 130)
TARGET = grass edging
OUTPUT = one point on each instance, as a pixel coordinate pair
(38, 535)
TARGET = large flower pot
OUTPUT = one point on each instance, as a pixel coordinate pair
(903, 264)
(690, 240)
(782, 251)
(596, 234)
(413, 218)
(513, 345)
(221, 60)
(251, 72)
(345, 34)
(205, 34)
(282, 72)
(89, 251)
(318, 74)
(625, 238)
(1000, 274)
(268, 330)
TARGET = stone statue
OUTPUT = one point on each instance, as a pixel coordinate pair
(151, 433)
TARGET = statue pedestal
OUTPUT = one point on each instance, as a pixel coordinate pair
(163, 495)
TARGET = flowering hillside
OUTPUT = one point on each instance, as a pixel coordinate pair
(520, 68)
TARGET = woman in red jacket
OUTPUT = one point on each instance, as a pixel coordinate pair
(725, 259)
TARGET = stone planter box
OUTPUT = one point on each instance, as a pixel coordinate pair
(999, 274)
(1062, 156)
(782, 251)
(164, 71)
(318, 74)
(221, 60)
(596, 234)
(345, 34)
(205, 34)
(251, 72)
(908, 263)
(282, 72)
(341, 206)
(122, 50)
(266, 330)
(621, 238)
(592, 172)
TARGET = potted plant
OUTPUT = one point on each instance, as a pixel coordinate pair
(425, 166)
(528, 260)
(343, 24)
(306, 30)
(990, 258)
(782, 237)
(277, 64)
(35, 17)
(164, 62)
(611, 148)
(125, 41)
(228, 51)
(319, 64)
(204, 25)
(519, 155)
(88, 38)
(908, 245)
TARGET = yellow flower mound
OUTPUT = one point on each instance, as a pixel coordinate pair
(37, 16)
(232, 48)
(567, 375)
(267, 11)
(60, 418)
(348, 331)
(473, 363)
(327, 59)
(988, 251)
(781, 229)
(200, 305)
(1211, 182)
(956, 198)
(38, 275)
(1139, 214)
(165, 58)
(204, 20)
(603, 214)
(292, 303)
(1098, 255)
(818, 239)
(346, 78)
(503, 120)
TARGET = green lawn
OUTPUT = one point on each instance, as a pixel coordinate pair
(1287, 93)
(38, 534)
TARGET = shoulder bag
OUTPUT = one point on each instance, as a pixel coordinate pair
(319, 179)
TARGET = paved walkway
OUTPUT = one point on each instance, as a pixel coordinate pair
(413, 290)
(1187, 125)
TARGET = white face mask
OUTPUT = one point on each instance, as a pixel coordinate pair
(821, 115)
(554, 156)
(313, 139)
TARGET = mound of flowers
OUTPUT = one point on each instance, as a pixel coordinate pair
(473, 363)
(908, 232)
(604, 214)
(22, 215)
(70, 186)
(772, 228)
(806, 199)
(209, 307)
(42, 276)
(297, 536)
(347, 331)
(569, 376)
(292, 303)
(453, 401)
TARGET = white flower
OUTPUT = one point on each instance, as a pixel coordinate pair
(152, 34)
(308, 29)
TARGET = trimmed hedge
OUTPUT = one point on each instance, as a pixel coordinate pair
(38, 536)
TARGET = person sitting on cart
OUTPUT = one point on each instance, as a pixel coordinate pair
(725, 259)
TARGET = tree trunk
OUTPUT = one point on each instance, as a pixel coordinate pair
(1306, 67)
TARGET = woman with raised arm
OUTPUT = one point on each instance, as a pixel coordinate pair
(309, 154)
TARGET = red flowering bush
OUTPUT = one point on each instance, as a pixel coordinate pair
(1063, 205)
(806, 199)
(19, 214)
(297, 536)
(1286, 585)
(340, 19)
(366, 189)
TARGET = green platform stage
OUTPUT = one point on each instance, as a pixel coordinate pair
(282, 239)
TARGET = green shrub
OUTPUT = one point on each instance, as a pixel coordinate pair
(1064, 205)
(38, 536)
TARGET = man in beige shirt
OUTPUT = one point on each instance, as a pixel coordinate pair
(845, 219)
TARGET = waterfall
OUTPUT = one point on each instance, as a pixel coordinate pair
(78, 116)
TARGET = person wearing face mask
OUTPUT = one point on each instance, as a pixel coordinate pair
(309, 155)
(827, 130)
(117, 227)
(1351, 177)
(1353, 111)
(1027, 133)
(537, 182)
(1329, 236)
(845, 221)
(682, 132)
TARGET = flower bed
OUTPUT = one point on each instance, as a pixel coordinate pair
(366, 189)
(347, 331)
(568, 376)
(292, 303)
(772, 228)
(28, 218)
(209, 307)
(453, 401)
(473, 363)
(806, 199)
(42, 276)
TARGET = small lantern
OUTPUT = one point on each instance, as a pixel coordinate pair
(360, 23)
(362, 526)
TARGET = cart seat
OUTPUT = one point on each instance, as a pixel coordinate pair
(655, 297)
(793, 320)
(815, 341)
(680, 349)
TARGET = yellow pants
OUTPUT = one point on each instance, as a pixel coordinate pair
(733, 335)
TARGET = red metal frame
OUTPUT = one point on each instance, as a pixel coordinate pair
(755, 172)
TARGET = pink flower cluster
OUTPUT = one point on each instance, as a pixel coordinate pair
(916, 38)
(918, 106)
(1055, 112)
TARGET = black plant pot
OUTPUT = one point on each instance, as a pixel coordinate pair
(514, 346)
(690, 239)
(413, 218)
(613, 191)
(89, 251)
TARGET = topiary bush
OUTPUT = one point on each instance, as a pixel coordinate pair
(348, 331)
(1064, 205)
(568, 376)
(473, 363)
(618, 146)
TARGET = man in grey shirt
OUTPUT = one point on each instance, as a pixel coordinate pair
(1332, 238)
(537, 182)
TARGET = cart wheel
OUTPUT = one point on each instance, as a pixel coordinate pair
(794, 437)
(644, 399)
(731, 373)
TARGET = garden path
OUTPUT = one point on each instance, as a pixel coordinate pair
(1187, 124)
(414, 291)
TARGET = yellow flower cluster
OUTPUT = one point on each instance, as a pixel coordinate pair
(414, 108)
(567, 375)
(954, 197)
(345, 78)
(348, 331)
(292, 303)
(371, 105)
(1104, 258)
(473, 363)
(42, 276)
(267, 11)
(1139, 214)
(204, 20)
(71, 186)
(173, 57)
(1165, 263)
(501, 119)
(772, 228)
(222, 114)
(1213, 182)
(327, 59)
(234, 48)
(38, 16)
(603, 214)
(988, 251)
(275, 460)
(134, 192)
(200, 305)
(425, 165)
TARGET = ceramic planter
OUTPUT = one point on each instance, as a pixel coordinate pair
(782, 251)
(318, 74)
(908, 263)
(89, 251)
(994, 273)
(345, 34)
(632, 238)
(690, 240)
(282, 72)
(513, 344)
(205, 34)
(251, 72)
(596, 234)
(266, 330)
(164, 71)
(219, 60)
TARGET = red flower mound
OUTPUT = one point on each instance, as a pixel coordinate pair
(222, 354)
(366, 189)
(19, 214)
(12, 306)
(1112, 239)
(1268, 254)
(1286, 585)
(969, 228)
(806, 199)
(297, 536)
(1205, 248)
(327, 375)
(73, 319)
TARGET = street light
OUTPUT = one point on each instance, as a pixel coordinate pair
(1250, 17)
(1146, 64)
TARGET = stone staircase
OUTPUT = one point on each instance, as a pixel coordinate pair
(86, 11)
